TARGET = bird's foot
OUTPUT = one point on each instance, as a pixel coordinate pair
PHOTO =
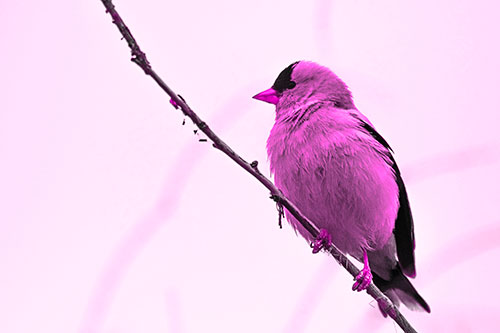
(324, 240)
(364, 277)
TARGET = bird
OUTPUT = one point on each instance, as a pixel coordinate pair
(328, 159)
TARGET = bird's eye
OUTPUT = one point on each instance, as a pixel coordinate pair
(291, 85)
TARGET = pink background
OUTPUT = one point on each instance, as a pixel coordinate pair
(115, 218)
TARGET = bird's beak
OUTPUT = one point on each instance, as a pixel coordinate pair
(270, 96)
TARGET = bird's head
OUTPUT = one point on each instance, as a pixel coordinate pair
(304, 82)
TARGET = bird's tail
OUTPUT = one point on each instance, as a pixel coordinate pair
(399, 289)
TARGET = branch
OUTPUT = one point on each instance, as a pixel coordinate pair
(140, 59)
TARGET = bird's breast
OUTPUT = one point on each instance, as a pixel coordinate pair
(339, 182)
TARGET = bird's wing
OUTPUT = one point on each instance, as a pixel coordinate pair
(403, 230)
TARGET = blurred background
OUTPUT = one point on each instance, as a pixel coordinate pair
(115, 218)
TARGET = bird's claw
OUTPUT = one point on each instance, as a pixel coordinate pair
(324, 240)
(363, 279)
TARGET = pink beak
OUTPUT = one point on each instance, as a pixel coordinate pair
(269, 96)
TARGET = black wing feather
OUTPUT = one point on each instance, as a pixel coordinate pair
(403, 230)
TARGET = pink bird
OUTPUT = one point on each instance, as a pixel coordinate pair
(328, 159)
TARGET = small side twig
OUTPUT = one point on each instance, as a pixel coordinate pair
(140, 59)
(279, 208)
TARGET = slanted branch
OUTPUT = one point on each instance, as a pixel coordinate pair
(140, 59)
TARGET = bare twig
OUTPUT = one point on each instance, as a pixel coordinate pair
(140, 59)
